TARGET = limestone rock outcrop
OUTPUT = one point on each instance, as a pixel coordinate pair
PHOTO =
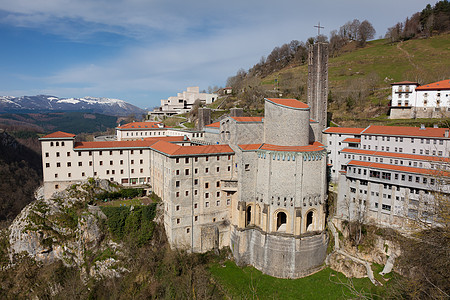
(64, 228)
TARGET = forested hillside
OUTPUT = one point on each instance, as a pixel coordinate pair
(20, 175)
(360, 72)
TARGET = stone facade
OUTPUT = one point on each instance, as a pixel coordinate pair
(204, 117)
(318, 82)
(278, 218)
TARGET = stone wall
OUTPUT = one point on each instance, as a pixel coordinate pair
(278, 255)
(285, 126)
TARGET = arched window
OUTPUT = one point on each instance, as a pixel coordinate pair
(248, 216)
(309, 221)
(281, 221)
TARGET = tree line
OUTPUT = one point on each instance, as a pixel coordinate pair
(296, 52)
(432, 19)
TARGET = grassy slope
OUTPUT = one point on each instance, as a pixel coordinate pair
(247, 282)
(429, 61)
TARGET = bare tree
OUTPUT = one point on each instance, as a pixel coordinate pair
(365, 32)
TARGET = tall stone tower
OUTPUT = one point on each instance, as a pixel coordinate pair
(204, 117)
(318, 82)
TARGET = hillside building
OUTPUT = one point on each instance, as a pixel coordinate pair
(136, 131)
(389, 175)
(411, 100)
(183, 102)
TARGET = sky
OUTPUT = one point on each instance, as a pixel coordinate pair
(142, 51)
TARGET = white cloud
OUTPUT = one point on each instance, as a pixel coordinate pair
(180, 43)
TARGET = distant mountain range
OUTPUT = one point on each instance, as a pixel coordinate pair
(45, 103)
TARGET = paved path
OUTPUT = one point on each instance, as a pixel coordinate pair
(355, 259)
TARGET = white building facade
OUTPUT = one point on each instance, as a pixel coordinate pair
(411, 100)
(395, 175)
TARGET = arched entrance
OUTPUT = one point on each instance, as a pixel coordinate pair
(310, 221)
(281, 221)
(248, 216)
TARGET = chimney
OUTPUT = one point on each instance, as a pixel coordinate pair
(446, 133)
(435, 126)
(422, 126)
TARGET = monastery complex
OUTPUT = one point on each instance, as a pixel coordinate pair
(259, 185)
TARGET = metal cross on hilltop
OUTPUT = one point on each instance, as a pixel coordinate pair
(318, 28)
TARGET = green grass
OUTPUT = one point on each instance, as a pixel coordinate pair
(247, 282)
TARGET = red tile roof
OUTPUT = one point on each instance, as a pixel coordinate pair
(59, 135)
(405, 131)
(431, 172)
(440, 85)
(176, 150)
(395, 155)
(352, 140)
(404, 82)
(294, 103)
(316, 146)
(249, 147)
(141, 125)
(216, 124)
(146, 143)
(344, 130)
(248, 119)
(308, 148)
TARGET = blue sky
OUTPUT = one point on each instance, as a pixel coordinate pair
(144, 50)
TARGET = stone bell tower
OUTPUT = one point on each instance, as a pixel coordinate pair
(318, 82)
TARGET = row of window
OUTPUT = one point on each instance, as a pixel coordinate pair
(141, 133)
(187, 171)
(47, 154)
(177, 194)
(107, 172)
(80, 163)
(187, 159)
(400, 139)
(56, 144)
(387, 176)
(207, 204)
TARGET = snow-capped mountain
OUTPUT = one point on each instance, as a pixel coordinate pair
(40, 103)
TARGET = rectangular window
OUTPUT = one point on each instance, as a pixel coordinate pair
(386, 207)
(177, 183)
(186, 172)
(206, 170)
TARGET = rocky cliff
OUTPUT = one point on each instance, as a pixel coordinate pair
(67, 228)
